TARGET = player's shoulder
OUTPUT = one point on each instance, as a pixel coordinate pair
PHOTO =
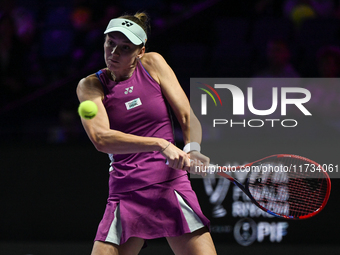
(89, 81)
(89, 84)
(153, 59)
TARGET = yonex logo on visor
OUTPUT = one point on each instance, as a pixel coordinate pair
(127, 23)
(134, 32)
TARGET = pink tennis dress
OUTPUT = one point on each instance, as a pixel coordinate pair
(147, 199)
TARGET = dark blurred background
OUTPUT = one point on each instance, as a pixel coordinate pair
(54, 183)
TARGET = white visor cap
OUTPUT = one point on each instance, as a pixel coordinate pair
(134, 32)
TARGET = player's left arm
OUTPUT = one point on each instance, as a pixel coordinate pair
(172, 90)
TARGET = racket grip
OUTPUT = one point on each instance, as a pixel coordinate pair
(210, 170)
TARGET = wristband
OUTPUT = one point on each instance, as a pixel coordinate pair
(193, 146)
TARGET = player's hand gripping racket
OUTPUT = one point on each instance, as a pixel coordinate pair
(286, 186)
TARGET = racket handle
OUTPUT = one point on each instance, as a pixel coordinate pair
(210, 170)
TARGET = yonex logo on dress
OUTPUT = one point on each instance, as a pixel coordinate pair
(128, 90)
(127, 23)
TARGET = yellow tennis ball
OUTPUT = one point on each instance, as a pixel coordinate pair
(87, 109)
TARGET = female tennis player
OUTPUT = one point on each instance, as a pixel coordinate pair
(150, 195)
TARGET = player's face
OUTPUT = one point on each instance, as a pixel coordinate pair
(120, 53)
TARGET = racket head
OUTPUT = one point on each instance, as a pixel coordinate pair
(286, 191)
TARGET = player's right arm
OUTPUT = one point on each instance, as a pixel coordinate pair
(113, 141)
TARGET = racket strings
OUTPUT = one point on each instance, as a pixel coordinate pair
(307, 189)
(292, 194)
(304, 198)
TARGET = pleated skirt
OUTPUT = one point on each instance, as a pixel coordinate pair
(161, 210)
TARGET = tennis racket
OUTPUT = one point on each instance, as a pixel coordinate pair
(283, 185)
